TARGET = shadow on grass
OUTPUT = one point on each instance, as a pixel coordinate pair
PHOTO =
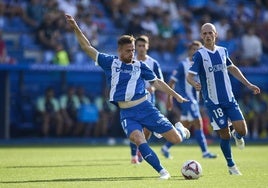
(60, 166)
(87, 179)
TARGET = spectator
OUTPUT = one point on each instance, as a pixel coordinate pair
(49, 110)
(149, 24)
(48, 36)
(33, 13)
(251, 46)
(69, 104)
(222, 27)
(68, 6)
(88, 114)
(90, 29)
(136, 8)
(166, 33)
(170, 6)
(232, 45)
(71, 44)
(198, 7)
(154, 7)
(61, 56)
(107, 113)
(134, 26)
(263, 34)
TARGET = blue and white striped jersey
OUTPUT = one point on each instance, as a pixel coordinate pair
(211, 66)
(126, 81)
(179, 76)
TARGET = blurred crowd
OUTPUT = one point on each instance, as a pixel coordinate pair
(170, 24)
(173, 24)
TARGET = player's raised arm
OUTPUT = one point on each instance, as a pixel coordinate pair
(83, 41)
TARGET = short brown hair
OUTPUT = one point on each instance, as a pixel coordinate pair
(125, 39)
(194, 43)
(143, 38)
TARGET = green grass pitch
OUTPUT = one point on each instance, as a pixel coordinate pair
(109, 166)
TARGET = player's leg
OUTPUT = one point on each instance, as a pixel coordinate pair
(239, 124)
(165, 149)
(133, 153)
(226, 150)
(194, 118)
(134, 131)
(238, 133)
(201, 139)
(136, 156)
(219, 122)
(176, 135)
(147, 153)
(153, 120)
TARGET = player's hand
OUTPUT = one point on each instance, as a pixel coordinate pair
(255, 89)
(71, 21)
(197, 86)
(180, 99)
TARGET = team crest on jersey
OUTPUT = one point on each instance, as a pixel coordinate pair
(136, 69)
(221, 121)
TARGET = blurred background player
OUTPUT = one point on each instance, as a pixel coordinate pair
(212, 64)
(190, 115)
(142, 47)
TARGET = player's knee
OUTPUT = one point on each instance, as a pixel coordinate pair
(137, 137)
(175, 139)
(242, 132)
(224, 134)
(241, 128)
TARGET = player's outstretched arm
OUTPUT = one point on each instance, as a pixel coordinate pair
(162, 86)
(238, 75)
(83, 41)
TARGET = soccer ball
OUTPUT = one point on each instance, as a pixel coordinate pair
(191, 169)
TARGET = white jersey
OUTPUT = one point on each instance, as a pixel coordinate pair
(154, 66)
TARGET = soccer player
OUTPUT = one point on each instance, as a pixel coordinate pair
(126, 77)
(142, 46)
(190, 110)
(212, 64)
